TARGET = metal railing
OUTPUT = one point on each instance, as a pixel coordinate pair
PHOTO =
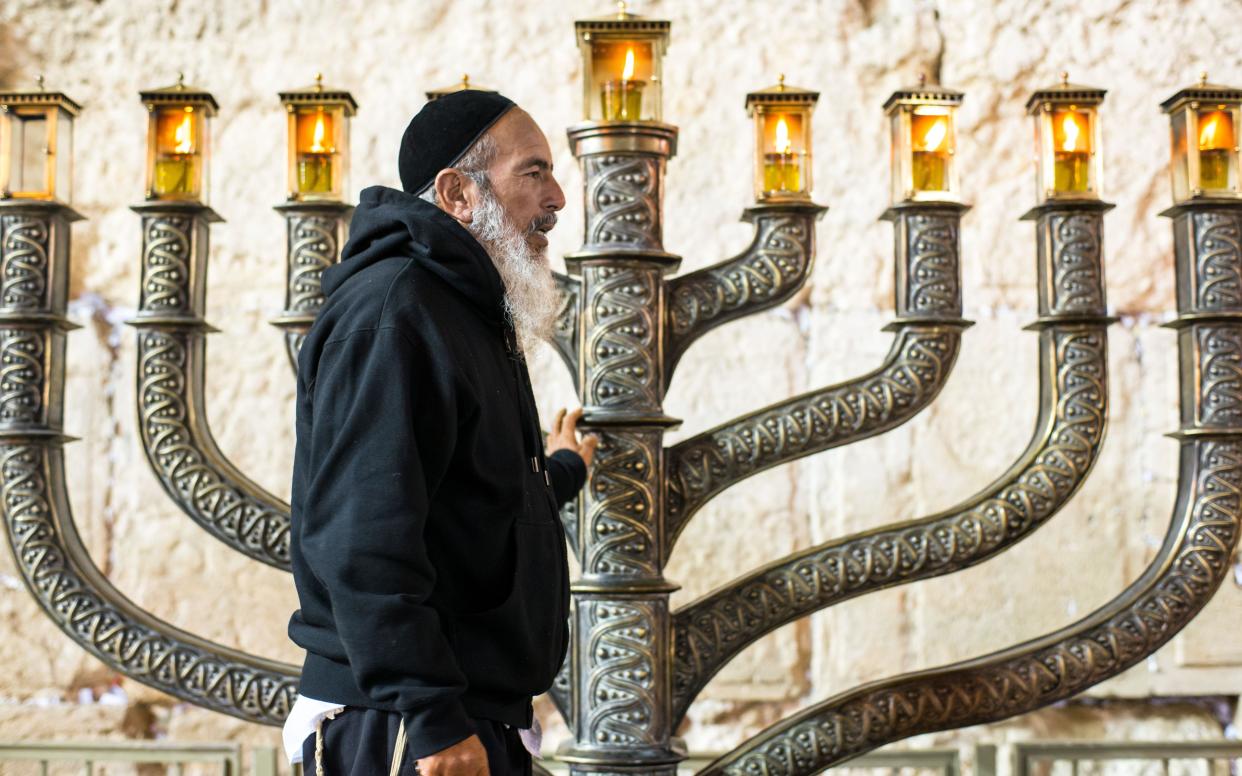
(95, 757)
(1042, 758)
(1024, 758)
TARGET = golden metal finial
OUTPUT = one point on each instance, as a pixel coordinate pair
(1065, 78)
(319, 82)
(621, 10)
(465, 80)
(181, 80)
(922, 80)
(1203, 78)
(780, 82)
(39, 81)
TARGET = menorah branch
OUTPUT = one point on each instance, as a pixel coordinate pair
(565, 332)
(176, 437)
(50, 555)
(315, 234)
(1068, 434)
(767, 273)
(928, 306)
(1195, 558)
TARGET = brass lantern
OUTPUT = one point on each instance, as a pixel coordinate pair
(318, 141)
(782, 117)
(1067, 140)
(621, 58)
(178, 145)
(461, 86)
(36, 145)
(1205, 121)
(924, 137)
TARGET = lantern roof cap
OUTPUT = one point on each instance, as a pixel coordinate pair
(460, 86)
(1203, 92)
(1066, 92)
(318, 94)
(782, 94)
(41, 97)
(622, 21)
(923, 92)
(180, 93)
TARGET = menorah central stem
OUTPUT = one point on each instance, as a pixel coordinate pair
(619, 661)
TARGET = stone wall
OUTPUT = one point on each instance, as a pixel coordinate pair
(387, 52)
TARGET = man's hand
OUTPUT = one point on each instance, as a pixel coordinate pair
(464, 758)
(564, 436)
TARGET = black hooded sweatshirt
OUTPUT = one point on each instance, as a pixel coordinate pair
(428, 555)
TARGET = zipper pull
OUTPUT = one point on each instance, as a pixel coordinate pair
(534, 464)
(546, 478)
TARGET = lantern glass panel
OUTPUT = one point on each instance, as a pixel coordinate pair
(316, 163)
(63, 151)
(1180, 167)
(624, 83)
(931, 147)
(1217, 146)
(28, 151)
(783, 156)
(178, 147)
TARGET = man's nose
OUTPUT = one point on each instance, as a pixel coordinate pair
(556, 198)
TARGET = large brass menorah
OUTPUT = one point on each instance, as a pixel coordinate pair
(636, 665)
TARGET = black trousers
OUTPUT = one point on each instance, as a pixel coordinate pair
(359, 742)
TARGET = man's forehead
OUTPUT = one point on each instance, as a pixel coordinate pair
(519, 138)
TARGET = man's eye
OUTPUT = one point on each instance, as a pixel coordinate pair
(535, 174)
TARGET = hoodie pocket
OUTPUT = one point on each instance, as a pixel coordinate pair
(515, 648)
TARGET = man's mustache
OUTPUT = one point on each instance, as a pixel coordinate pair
(548, 220)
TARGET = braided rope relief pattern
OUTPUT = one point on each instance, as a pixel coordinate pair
(709, 633)
(1143, 619)
(144, 651)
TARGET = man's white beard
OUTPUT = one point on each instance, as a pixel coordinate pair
(531, 295)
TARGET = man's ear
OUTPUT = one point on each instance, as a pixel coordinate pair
(452, 196)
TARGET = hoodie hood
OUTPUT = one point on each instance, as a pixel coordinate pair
(391, 224)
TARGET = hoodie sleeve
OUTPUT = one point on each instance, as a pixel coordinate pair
(383, 432)
(568, 473)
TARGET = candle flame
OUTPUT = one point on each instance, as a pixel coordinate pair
(1071, 129)
(1207, 135)
(936, 134)
(317, 140)
(782, 137)
(628, 72)
(185, 142)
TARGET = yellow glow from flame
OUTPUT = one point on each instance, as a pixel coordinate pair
(185, 142)
(628, 72)
(1071, 129)
(936, 134)
(782, 137)
(1207, 135)
(317, 140)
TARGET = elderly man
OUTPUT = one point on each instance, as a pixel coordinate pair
(427, 551)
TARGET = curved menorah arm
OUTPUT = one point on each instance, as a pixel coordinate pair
(565, 333)
(315, 233)
(1195, 557)
(767, 273)
(50, 555)
(172, 414)
(928, 335)
(1073, 408)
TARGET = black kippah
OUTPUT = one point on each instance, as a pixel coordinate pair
(443, 131)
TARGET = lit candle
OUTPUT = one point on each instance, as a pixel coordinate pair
(1072, 155)
(623, 100)
(930, 130)
(314, 158)
(174, 166)
(1216, 141)
(782, 169)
